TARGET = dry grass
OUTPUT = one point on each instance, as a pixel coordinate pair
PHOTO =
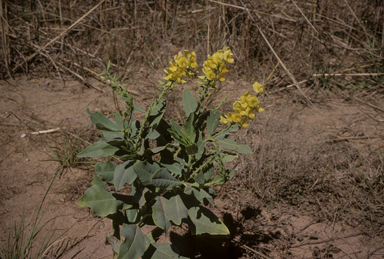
(275, 43)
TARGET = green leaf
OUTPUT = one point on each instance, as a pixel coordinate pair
(213, 121)
(162, 251)
(110, 135)
(180, 132)
(189, 102)
(102, 123)
(114, 242)
(244, 149)
(228, 157)
(135, 243)
(98, 149)
(200, 149)
(105, 170)
(101, 202)
(199, 178)
(164, 179)
(189, 127)
(153, 175)
(145, 170)
(225, 134)
(156, 114)
(179, 139)
(228, 143)
(174, 168)
(204, 221)
(138, 108)
(166, 210)
(124, 175)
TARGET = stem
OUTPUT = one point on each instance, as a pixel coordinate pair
(212, 138)
(147, 114)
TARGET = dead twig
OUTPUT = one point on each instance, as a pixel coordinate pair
(373, 106)
(60, 35)
(326, 240)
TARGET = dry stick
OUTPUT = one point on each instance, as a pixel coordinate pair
(277, 57)
(373, 106)
(357, 19)
(327, 240)
(351, 138)
(60, 35)
(243, 8)
(356, 74)
(4, 36)
(305, 17)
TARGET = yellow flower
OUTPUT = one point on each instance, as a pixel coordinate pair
(228, 55)
(258, 88)
(248, 113)
(223, 69)
(253, 102)
(182, 61)
(209, 74)
(226, 119)
(220, 77)
(243, 123)
(236, 117)
(238, 107)
(217, 58)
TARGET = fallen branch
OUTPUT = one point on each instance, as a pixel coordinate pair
(45, 131)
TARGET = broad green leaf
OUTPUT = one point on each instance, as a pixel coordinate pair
(132, 214)
(174, 168)
(110, 135)
(244, 149)
(152, 175)
(105, 170)
(166, 210)
(145, 170)
(228, 157)
(138, 108)
(189, 127)
(162, 178)
(102, 123)
(199, 178)
(157, 114)
(153, 135)
(201, 119)
(181, 140)
(208, 172)
(228, 143)
(101, 202)
(189, 102)
(180, 132)
(114, 242)
(162, 251)
(213, 121)
(202, 196)
(135, 243)
(200, 149)
(191, 149)
(98, 149)
(124, 175)
(204, 221)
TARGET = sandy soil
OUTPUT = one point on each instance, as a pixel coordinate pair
(259, 230)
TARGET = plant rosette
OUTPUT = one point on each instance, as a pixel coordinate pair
(170, 167)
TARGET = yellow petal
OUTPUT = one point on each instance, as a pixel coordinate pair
(258, 88)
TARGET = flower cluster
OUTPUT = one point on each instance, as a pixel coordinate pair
(214, 67)
(245, 108)
(182, 65)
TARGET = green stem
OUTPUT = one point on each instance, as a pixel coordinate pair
(147, 114)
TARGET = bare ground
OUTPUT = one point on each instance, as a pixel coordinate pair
(312, 189)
